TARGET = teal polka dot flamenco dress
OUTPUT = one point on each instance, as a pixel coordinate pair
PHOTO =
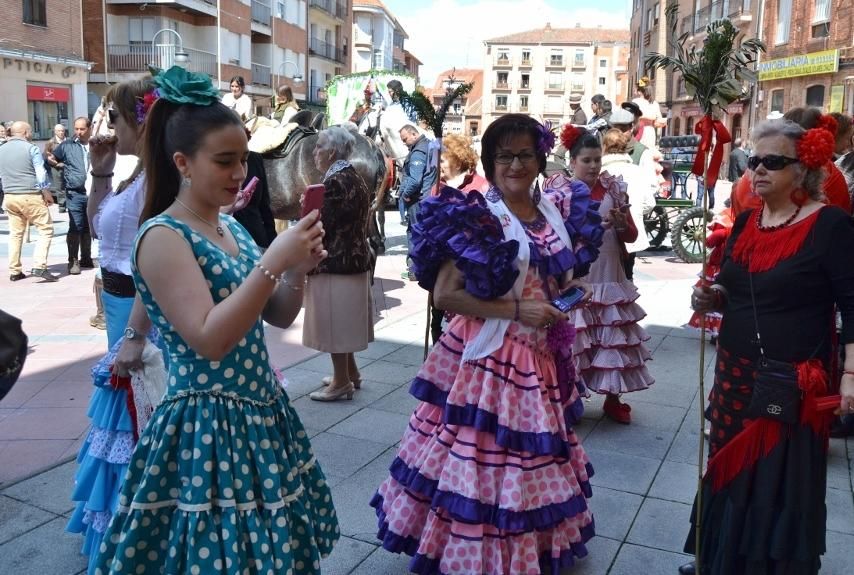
(223, 480)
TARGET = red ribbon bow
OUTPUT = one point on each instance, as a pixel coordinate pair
(704, 128)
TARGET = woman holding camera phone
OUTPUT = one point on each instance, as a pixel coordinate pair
(784, 268)
(609, 347)
(490, 476)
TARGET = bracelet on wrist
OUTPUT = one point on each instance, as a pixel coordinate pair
(268, 274)
(94, 175)
(293, 286)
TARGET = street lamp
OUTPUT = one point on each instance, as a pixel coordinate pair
(296, 77)
(181, 57)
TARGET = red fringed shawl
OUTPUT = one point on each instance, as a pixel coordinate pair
(761, 435)
(761, 250)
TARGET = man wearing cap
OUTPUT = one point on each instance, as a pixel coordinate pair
(579, 118)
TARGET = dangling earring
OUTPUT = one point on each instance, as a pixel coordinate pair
(798, 197)
(537, 195)
(186, 182)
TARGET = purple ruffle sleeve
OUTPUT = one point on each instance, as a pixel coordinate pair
(460, 227)
(581, 218)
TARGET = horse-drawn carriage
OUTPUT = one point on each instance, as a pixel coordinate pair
(678, 210)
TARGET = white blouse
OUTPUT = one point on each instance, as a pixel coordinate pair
(116, 224)
(241, 105)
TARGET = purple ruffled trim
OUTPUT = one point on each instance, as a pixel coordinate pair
(584, 224)
(469, 510)
(460, 227)
(424, 565)
(542, 443)
(553, 264)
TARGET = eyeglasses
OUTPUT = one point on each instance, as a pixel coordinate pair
(112, 115)
(771, 162)
(507, 158)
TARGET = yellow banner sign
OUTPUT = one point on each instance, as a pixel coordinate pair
(837, 94)
(825, 62)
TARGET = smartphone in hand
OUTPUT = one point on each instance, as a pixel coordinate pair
(568, 299)
(313, 199)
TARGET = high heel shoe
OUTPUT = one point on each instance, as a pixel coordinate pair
(333, 393)
(357, 383)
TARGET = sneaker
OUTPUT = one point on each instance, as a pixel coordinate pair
(44, 274)
(16, 277)
(98, 322)
(74, 268)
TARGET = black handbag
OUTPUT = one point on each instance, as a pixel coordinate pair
(776, 394)
(13, 351)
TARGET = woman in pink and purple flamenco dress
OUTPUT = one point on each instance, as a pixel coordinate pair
(490, 476)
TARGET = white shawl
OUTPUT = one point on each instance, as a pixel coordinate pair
(491, 335)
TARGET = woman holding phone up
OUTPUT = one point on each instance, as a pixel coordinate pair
(610, 346)
(338, 306)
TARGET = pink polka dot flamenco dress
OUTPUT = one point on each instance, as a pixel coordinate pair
(490, 476)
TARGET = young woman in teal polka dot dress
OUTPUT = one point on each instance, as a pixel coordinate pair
(223, 480)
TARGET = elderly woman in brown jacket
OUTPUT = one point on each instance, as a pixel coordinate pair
(338, 307)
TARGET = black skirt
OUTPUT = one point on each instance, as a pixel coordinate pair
(769, 518)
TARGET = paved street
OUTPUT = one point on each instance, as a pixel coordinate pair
(645, 473)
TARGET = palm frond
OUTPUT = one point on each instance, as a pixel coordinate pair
(423, 109)
(451, 95)
(713, 74)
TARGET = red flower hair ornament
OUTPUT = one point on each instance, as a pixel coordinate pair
(816, 146)
(569, 134)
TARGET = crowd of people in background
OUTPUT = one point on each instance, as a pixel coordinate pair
(191, 427)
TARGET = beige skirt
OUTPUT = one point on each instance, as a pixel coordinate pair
(339, 313)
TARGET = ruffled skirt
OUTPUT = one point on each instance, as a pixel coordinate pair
(104, 456)
(221, 484)
(490, 477)
(772, 513)
(609, 349)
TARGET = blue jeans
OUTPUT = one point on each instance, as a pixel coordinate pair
(412, 211)
(700, 190)
(76, 202)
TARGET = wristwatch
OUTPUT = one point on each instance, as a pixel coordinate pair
(131, 333)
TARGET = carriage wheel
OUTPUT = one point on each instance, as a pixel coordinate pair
(686, 235)
(656, 225)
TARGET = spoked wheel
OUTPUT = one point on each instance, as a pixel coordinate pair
(686, 235)
(656, 225)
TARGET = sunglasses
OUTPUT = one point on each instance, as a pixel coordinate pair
(112, 115)
(771, 162)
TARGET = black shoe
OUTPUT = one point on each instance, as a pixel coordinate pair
(87, 264)
(16, 277)
(687, 569)
(44, 274)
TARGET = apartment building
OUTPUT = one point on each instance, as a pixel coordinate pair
(330, 29)
(378, 40)
(535, 71)
(264, 41)
(810, 57)
(43, 70)
(464, 114)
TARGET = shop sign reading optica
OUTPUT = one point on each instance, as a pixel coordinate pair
(824, 62)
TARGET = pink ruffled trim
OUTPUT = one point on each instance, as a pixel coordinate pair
(617, 381)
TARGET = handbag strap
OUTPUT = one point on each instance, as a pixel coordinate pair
(758, 339)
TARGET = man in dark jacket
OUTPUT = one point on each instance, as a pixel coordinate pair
(72, 157)
(737, 160)
(419, 176)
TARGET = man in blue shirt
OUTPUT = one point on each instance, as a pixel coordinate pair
(419, 176)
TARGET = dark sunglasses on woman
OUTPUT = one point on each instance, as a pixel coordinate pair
(771, 162)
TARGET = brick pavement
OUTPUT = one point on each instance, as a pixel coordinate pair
(645, 473)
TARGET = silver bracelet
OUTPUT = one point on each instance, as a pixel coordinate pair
(268, 274)
(295, 287)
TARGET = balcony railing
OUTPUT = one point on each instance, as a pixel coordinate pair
(525, 63)
(555, 61)
(341, 10)
(551, 86)
(261, 12)
(326, 50)
(503, 61)
(337, 9)
(500, 107)
(502, 85)
(138, 57)
(261, 74)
